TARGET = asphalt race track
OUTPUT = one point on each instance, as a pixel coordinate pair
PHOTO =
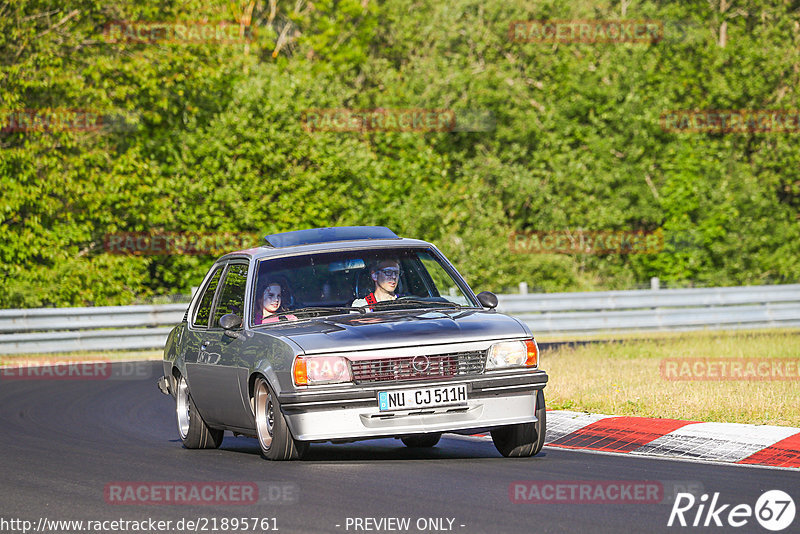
(64, 442)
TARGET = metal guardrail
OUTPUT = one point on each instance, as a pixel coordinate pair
(722, 308)
(43, 330)
(96, 317)
(146, 327)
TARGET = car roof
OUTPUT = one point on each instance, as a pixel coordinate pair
(351, 238)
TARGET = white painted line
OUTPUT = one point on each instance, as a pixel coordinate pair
(55, 362)
(642, 457)
(487, 437)
(664, 458)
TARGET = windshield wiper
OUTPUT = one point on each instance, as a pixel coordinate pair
(412, 300)
(324, 309)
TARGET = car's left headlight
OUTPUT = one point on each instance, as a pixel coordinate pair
(311, 370)
(513, 354)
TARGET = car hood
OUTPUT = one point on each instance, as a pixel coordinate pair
(405, 328)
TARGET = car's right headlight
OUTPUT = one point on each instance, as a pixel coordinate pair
(506, 354)
(311, 370)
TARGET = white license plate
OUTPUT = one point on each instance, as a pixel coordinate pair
(410, 399)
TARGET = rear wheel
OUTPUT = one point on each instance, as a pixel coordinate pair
(525, 439)
(194, 432)
(274, 436)
(421, 440)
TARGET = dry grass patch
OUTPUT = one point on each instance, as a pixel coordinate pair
(625, 379)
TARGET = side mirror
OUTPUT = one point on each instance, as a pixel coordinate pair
(487, 299)
(228, 322)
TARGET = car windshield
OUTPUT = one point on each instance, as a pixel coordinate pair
(330, 283)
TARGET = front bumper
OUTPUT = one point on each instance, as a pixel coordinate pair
(352, 413)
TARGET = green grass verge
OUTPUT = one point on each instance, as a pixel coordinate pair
(61, 357)
(625, 378)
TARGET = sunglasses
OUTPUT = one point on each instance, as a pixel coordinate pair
(390, 272)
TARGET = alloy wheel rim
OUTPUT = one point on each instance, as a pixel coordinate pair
(265, 418)
(182, 408)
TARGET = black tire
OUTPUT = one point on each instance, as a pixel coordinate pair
(421, 440)
(525, 439)
(194, 432)
(274, 436)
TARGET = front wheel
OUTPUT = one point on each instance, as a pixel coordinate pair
(194, 432)
(274, 436)
(524, 439)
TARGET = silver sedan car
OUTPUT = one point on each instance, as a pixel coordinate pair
(349, 333)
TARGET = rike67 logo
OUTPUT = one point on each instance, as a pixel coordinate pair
(774, 510)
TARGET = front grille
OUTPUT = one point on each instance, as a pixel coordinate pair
(439, 366)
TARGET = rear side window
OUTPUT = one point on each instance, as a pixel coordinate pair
(203, 311)
(231, 298)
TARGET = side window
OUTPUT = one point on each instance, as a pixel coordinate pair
(203, 310)
(231, 298)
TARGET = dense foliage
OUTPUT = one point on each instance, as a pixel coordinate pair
(209, 137)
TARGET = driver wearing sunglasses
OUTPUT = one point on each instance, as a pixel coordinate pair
(386, 275)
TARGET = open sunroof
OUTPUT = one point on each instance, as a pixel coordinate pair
(327, 235)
